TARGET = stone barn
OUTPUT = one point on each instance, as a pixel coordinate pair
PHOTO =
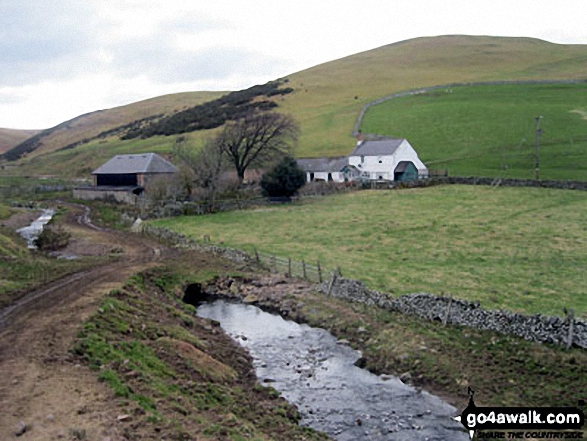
(132, 170)
(124, 177)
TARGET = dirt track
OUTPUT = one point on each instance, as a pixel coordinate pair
(40, 384)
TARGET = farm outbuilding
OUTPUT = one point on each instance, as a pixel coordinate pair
(132, 170)
(124, 177)
(324, 169)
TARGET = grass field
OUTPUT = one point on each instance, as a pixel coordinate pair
(490, 130)
(515, 248)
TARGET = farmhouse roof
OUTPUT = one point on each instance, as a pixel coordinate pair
(141, 163)
(379, 147)
(334, 164)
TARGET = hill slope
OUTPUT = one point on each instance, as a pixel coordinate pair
(12, 137)
(85, 127)
(327, 99)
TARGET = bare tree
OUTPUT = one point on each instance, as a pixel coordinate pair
(206, 165)
(256, 139)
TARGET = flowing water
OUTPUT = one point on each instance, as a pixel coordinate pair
(31, 232)
(315, 372)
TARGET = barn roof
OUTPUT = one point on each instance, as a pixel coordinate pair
(378, 147)
(141, 163)
(334, 164)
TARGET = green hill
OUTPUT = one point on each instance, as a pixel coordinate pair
(327, 99)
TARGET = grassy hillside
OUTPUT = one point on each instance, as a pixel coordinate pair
(328, 98)
(11, 137)
(490, 130)
(515, 248)
(89, 126)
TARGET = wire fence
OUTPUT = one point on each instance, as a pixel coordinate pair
(293, 268)
(313, 272)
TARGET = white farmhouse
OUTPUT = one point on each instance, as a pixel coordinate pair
(381, 159)
(387, 159)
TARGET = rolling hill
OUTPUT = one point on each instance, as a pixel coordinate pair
(12, 137)
(327, 99)
(97, 124)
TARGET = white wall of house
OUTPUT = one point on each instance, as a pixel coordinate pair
(377, 167)
(406, 152)
(323, 176)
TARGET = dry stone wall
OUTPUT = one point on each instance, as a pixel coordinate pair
(538, 327)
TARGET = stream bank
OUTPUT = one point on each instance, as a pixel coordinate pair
(443, 360)
(317, 373)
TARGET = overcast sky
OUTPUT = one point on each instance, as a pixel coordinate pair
(62, 58)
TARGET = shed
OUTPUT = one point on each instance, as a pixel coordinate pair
(324, 169)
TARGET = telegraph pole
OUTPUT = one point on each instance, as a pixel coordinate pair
(537, 157)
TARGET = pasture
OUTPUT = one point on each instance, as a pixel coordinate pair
(520, 249)
(491, 130)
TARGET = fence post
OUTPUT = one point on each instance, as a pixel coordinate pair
(331, 284)
(319, 273)
(447, 315)
(289, 267)
(304, 269)
(571, 318)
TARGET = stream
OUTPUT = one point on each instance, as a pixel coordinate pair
(31, 232)
(316, 373)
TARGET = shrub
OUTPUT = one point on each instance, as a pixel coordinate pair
(283, 180)
(52, 238)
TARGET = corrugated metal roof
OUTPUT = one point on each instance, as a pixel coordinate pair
(141, 163)
(335, 164)
(379, 147)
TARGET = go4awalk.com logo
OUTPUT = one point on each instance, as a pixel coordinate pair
(523, 422)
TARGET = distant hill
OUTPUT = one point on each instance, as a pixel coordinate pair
(98, 124)
(326, 99)
(11, 137)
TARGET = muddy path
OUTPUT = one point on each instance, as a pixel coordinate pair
(42, 391)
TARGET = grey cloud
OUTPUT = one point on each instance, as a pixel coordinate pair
(161, 62)
(57, 40)
(43, 40)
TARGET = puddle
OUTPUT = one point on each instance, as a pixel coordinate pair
(316, 373)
